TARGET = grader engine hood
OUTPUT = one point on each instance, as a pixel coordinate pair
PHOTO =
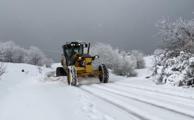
(84, 60)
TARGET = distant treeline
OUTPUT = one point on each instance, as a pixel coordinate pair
(11, 52)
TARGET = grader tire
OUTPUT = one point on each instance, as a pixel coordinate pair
(104, 74)
(72, 76)
(68, 77)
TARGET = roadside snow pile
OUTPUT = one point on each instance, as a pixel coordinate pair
(16, 73)
(175, 69)
(121, 62)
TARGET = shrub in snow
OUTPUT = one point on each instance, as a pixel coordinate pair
(175, 70)
(126, 66)
(48, 62)
(139, 57)
(121, 62)
(189, 78)
(40, 69)
(2, 69)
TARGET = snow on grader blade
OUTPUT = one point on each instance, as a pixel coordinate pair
(77, 62)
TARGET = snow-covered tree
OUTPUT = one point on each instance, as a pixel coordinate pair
(35, 56)
(139, 58)
(107, 54)
(177, 35)
(7, 51)
(119, 61)
(19, 55)
(10, 52)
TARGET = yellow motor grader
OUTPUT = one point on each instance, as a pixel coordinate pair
(77, 62)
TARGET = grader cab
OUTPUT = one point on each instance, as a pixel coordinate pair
(77, 62)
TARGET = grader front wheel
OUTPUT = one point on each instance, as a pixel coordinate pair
(103, 74)
(72, 76)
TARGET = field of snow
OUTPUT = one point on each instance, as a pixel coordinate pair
(30, 95)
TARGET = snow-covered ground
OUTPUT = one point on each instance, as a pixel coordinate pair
(30, 95)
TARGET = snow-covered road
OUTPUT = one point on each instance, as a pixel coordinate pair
(26, 96)
(142, 104)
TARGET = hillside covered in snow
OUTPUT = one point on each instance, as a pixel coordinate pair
(27, 93)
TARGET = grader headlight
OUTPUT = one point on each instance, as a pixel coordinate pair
(79, 58)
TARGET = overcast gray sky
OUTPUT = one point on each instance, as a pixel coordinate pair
(127, 24)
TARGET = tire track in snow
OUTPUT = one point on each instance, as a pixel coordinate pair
(154, 90)
(136, 115)
(152, 103)
(90, 108)
(155, 95)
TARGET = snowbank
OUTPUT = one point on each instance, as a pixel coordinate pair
(175, 69)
